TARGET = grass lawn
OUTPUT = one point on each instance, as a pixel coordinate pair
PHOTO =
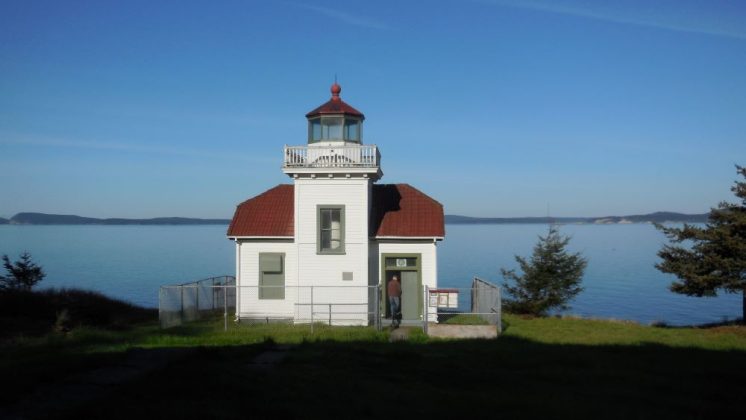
(539, 367)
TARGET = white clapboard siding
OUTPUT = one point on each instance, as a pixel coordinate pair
(325, 272)
(250, 306)
(351, 193)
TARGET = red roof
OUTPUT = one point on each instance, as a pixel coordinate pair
(403, 211)
(398, 210)
(335, 105)
(267, 214)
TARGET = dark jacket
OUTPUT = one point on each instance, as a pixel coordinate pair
(394, 289)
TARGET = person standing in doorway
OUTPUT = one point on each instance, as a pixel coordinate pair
(394, 292)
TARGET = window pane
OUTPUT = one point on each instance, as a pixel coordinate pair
(271, 276)
(270, 263)
(401, 262)
(331, 233)
(326, 219)
(316, 130)
(351, 130)
(335, 131)
(332, 128)
(326, 240)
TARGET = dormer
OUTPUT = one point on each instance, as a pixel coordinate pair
(335, 122)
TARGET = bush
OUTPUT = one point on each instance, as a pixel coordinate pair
(38, 312)
(550, 279)
(23, 274)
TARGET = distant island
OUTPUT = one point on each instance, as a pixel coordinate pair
(64, 219)
(658, 217)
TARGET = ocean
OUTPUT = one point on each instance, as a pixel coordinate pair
(131, 262)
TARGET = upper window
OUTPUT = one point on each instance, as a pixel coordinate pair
(352, 130)
(333, 129)
(331, 229)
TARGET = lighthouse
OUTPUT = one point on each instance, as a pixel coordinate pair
(324, 247)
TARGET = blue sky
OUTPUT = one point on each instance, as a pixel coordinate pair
(495, 108)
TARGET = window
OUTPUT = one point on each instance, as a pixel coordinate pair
(271, 276)
(315, 129)
(333, 129)
(331, 230)
(352, 130)
(401, 262)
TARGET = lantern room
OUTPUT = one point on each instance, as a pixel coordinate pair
(335, 122)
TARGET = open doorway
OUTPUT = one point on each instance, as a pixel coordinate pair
(407, 268)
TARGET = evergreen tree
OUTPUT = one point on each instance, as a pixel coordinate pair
(550, 279)
(22, 274)
(713, 257)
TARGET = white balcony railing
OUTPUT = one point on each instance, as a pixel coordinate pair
(348, 156)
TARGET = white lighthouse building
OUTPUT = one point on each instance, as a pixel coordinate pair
(324, 247)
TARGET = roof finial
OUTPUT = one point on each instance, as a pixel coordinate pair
(336, 88)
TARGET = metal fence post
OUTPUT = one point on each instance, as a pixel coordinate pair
(499, 311)
(181, 312)
(377, 308)
(425, 306)
(311, 309)
(160, 306)
(330, 314)
(225, 308)
(199, 288)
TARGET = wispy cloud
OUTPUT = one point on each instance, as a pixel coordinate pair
(127, 147)
(344, 17)
(674, 16)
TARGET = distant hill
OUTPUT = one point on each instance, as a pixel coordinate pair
(658, 217)
(63, 219)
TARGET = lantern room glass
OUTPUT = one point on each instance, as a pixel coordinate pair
(334, 129)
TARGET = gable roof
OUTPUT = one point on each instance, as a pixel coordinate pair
(268, 214)
(400, 210)
(397, 210)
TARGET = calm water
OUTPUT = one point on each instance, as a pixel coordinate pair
(130, 262)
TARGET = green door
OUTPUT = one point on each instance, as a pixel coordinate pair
(410, 296)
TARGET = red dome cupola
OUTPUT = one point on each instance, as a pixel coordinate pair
(335, 121)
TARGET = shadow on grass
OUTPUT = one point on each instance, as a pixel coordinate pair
(511, 377)
(34, 313)
(726, 323)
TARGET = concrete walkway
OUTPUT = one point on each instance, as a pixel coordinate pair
(461, 331)
(400, 334)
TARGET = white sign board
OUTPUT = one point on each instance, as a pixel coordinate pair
(443, 298)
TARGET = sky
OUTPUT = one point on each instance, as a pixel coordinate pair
(493, 107)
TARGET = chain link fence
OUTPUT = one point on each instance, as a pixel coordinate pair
(195, 300)
(479, 304)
